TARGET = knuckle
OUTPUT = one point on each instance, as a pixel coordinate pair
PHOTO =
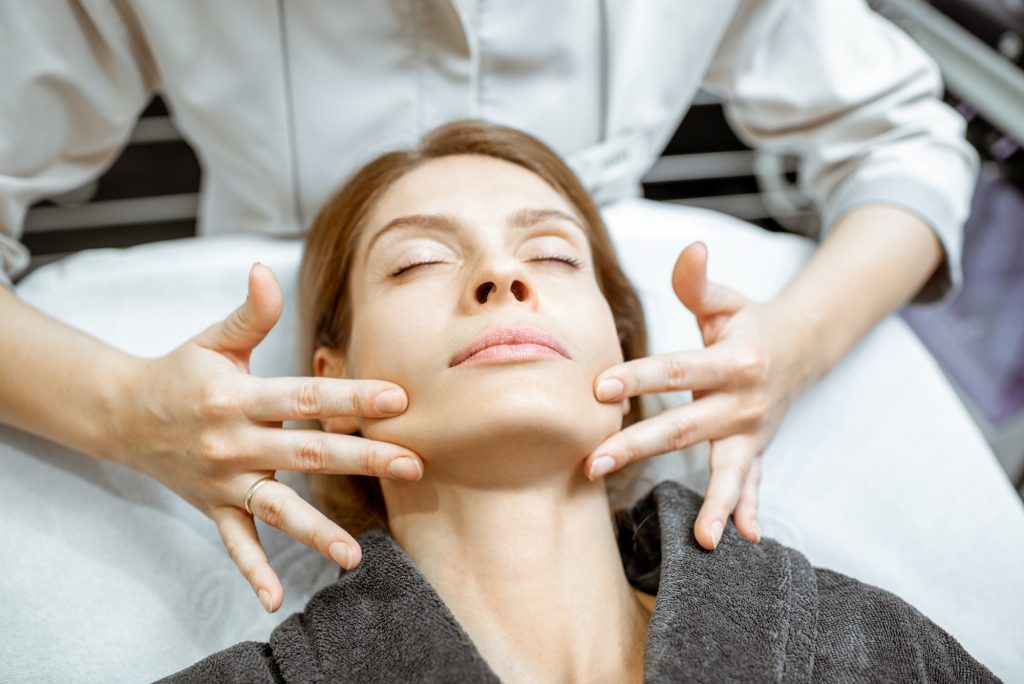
(680, 433)
(273, 512)
(318, 540)
(216, 403)
(750, 365)
(628, 452)
(368, 462)
(308, 399)
(754, 412)
(237, 323)
(234, 551)
(676, 372)
(212, 450)
(311, 455)
(358, 403)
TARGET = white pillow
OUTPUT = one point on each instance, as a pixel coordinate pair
(109, 576)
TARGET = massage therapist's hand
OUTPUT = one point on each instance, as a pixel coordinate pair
(204, 427)
(757, 360)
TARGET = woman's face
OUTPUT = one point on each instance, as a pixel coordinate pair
(462, 247)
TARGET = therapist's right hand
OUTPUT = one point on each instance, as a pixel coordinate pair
(207, 429)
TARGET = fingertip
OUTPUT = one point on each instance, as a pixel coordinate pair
(406, 468)
(610, 389)
(256, 274)
(264, 294)
(716, 533)
(266, 600)
(341, 553)
(748, 532)
(600, 466)
(357, 556)
(705, 540)
(391, 401)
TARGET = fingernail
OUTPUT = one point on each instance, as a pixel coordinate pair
(716, 532)
(601, 466)
(390, 401)
(609, 389)
(405, 469)
(341, 553)
(264, 596)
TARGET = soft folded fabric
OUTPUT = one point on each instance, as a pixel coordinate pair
(743, 613)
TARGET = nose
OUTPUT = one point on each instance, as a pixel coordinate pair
(516, 288)
(497, 280)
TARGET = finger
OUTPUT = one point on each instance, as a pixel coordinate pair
(315, 451)
(247, 325)
(695, 291)
(730, 462)
(238, 532)
(708, 368)
(279, 506)
(676, 428)
(341, 425)
(745, 515)
(278, 399)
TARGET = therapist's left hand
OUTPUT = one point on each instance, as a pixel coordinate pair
(757, 360)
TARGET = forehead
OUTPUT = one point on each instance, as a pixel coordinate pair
(473, 186)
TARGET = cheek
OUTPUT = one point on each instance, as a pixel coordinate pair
(595, 334)
(380, 346)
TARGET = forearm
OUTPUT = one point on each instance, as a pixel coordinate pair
(58, 382)
(874, 260)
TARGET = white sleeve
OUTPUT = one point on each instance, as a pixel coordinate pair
(860, 103)
(75, 76)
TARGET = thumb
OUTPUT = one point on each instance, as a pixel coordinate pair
(247, 325)
(695, 291)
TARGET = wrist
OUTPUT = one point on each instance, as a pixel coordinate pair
(119, 407)
(806, 342)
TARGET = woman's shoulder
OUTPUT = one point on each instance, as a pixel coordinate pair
(379, 622)
(246, 661)
(874, 629)
(764, 604)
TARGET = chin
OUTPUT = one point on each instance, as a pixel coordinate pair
(503, 414)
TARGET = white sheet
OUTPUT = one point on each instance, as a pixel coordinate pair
(877, 472)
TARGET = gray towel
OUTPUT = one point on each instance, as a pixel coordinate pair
(744, 613)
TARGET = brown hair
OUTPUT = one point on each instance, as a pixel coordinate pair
(355, 501)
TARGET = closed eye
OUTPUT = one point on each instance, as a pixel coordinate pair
(571, 261)
(408, 267)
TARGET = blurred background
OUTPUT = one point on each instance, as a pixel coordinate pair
(150, 194)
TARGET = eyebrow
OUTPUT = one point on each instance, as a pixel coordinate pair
(446, 223)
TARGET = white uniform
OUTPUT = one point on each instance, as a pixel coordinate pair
(283, 100)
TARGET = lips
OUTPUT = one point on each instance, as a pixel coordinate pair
(518, 343)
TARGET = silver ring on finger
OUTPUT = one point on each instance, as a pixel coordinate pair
(252, 490)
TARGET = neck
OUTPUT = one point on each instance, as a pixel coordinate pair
(531, 571)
